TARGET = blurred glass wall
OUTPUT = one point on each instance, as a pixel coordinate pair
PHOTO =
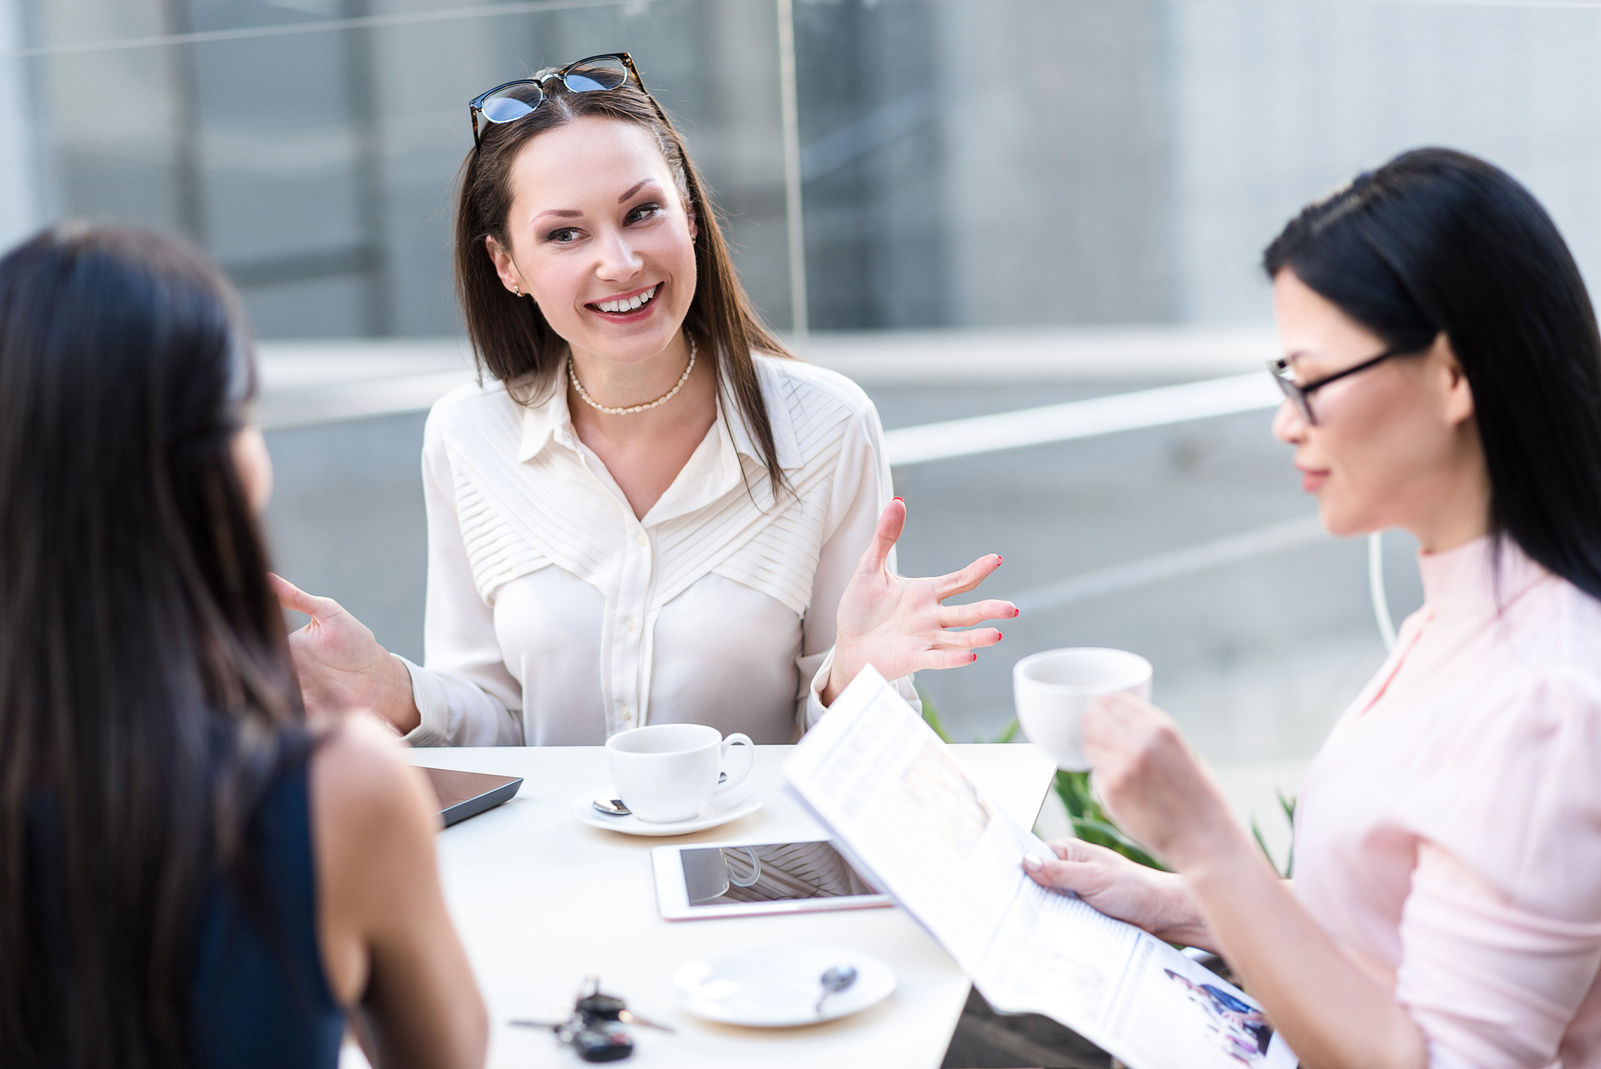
(311, 145)
(1071, 167)
(963, 163)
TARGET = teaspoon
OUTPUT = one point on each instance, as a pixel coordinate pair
(834, 981)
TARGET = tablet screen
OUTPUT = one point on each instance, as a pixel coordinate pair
(774, 872)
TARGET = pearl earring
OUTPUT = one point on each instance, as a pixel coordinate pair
(515, 288)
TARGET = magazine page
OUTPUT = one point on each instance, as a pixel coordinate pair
(889, 790)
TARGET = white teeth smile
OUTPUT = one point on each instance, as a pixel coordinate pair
(638, 300)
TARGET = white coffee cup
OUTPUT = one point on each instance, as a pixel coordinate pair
(1054, 689)
(665, 773)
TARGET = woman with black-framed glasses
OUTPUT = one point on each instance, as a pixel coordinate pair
(1442, 374)
(651, 512)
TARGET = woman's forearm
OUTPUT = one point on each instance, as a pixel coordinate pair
(1333, 1014)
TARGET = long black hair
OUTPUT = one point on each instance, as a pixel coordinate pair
(145, 683)
(1437, 241)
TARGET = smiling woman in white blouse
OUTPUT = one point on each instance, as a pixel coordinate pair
(647, 512)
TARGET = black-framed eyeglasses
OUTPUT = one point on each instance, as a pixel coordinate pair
(1300, 394)
(592, 74)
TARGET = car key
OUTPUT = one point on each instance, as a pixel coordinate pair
(602, 1043)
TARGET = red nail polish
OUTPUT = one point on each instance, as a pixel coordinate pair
(999, 636)
(1016, 612)
(999, 560)
(975, 657)
(901, 500)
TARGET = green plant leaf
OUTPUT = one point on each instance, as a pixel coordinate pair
(931, 715)
(1106, 834)
(1092, 824)
(1074, 789)
(1261, 843)
(1287, 806)
(1010, 733)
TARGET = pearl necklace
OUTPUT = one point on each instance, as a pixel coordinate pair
(583, 394)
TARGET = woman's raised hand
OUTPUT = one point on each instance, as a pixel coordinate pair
(1153, 784)
(900, 625)
(341, 665)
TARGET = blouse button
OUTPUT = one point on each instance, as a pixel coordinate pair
(633, 624)
(641, 539)
(628, 713)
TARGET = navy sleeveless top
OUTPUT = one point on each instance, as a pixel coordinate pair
(261, 999)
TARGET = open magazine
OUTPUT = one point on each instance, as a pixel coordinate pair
(889, 791)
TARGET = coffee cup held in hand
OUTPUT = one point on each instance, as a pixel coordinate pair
(1054, 689)
(665, 773)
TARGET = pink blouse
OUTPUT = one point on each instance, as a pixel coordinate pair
(1449, 832)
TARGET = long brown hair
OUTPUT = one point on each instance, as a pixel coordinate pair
(145, 682)
(509, 334)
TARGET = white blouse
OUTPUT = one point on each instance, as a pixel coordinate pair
(554, 616)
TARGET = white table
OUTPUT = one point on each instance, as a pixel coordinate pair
(541, 900)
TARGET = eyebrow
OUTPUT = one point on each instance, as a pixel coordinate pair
(572, 213)
(635, 188)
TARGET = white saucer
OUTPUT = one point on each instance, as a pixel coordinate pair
(724, 807)
(777, 986)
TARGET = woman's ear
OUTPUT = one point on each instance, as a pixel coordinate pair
(505, 266)
(689, 213)
(1458, 395)
(254, 466)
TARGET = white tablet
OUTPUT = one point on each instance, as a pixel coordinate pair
(742, 880)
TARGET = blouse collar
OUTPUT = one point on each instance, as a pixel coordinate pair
(1477, 578)
(551, 419)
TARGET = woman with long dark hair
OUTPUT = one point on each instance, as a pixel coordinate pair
(190, 875)
(1442, 373)
(651, 513)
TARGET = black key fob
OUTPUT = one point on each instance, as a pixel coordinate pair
(602, 1044)
(599, 1007)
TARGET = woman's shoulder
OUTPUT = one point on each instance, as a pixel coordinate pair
(1554, 632)
(796, 382)
(1507, 785)
(358, 772)
(476, 415)
(472, 400)
(819, 417)
(372, 822)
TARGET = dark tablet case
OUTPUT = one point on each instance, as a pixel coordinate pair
(466, 794)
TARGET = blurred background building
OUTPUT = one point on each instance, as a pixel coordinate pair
(1003, 203)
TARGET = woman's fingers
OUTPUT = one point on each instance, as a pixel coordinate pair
(1079, 850)
(890, 524)
(977, 638)
(291, 596)
(955, 648)
(1061, 875)
(975, 613)
(938, 659)
(948, 586)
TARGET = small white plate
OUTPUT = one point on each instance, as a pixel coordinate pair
(778, 986)
(720, 810)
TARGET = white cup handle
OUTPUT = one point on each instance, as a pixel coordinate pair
(736, 739)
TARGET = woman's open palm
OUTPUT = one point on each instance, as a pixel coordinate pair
(900, 625)
(341, 665)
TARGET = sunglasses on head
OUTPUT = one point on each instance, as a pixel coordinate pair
(592, 74)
